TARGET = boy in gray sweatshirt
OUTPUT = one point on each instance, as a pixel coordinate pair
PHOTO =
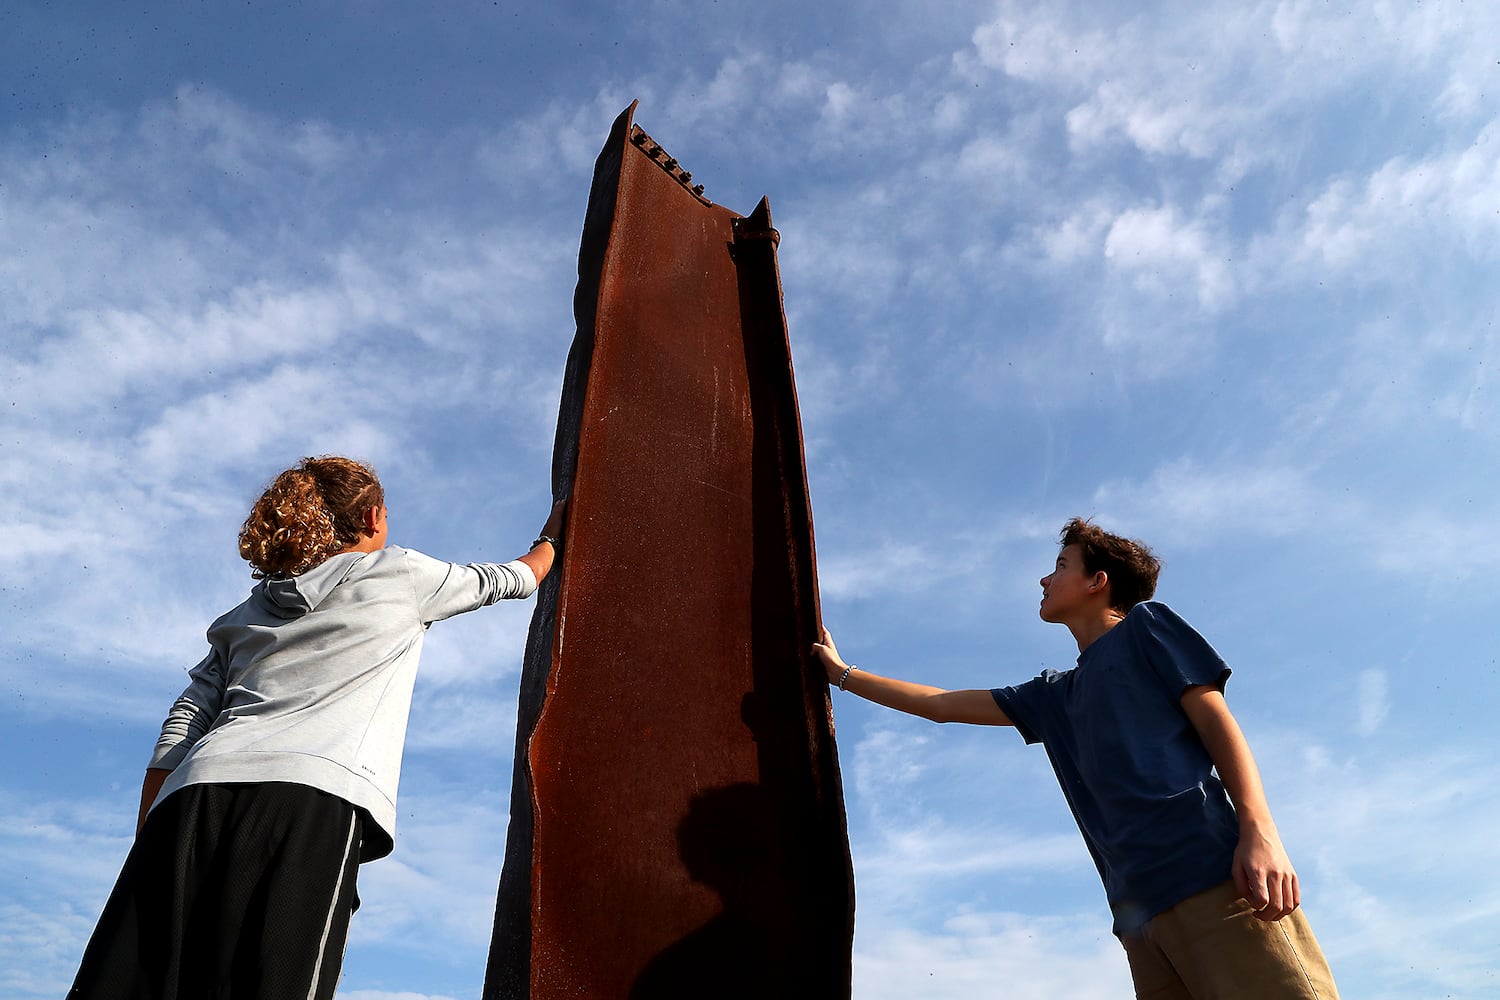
(276, 770)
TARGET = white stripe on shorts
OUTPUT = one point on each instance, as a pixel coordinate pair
(312, 990)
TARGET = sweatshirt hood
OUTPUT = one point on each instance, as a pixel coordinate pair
(295, 596)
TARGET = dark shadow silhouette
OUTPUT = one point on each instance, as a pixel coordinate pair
(731, 842)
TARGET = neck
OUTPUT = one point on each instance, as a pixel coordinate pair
(366, 543)
(1087, 630)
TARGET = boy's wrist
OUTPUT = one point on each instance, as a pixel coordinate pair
(1260, 826)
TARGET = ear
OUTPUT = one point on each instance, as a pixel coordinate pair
(369, 521)
(1099, 582)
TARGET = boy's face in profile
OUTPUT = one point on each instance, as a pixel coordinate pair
(1068, 589)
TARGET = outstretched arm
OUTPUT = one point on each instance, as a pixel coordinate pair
(934, 703)
(1262, 870)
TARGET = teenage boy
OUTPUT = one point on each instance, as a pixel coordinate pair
(1204, 897)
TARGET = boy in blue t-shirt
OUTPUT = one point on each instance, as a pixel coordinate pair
(1157, 774)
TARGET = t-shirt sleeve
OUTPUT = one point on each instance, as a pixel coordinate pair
(1176, 653)
(446, 589)
(1031, 706)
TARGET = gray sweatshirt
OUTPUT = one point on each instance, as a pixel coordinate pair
(310, 679)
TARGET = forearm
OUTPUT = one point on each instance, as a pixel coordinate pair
(935, 704)
(150, 787)
(185, 725)
(1262, 870)
(922, 700)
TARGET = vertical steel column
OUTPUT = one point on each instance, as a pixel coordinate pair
(677, 820)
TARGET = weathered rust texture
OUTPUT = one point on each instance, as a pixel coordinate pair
(677, 819)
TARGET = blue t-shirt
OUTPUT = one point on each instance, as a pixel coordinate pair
(1137, 777)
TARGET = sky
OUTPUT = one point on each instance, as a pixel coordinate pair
(1219, 275)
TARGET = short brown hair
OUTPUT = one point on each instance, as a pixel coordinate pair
(307, 514)
(1131, 566)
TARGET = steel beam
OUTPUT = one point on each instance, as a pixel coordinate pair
(677, 819)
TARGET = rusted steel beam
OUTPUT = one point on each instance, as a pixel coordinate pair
(677, 819)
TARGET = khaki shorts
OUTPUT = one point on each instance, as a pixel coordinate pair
(1211, 947)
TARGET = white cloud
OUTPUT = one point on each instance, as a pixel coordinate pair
(937, 851)
(1264, 230)
(1158, 252)
(1161, 84)
(839, 99)
(1183, 498)
(1446, 40)
(1406, 212)
(58, 858)
(151, 393)
(1186, 503)
(753, 90)
(435, 895)
(550, 148)
(1053, 958)
(908, 775)
(254, 421)
(1151, 126)
(892, 568)
(1173, 83)
(886, 762)
(1079, 236)
(243, 144)
(1387, 845)
(1036, 49)
(992, 166)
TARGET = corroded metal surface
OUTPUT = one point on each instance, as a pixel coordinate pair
(677, 821)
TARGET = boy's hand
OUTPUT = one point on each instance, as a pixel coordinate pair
(555, 520)
(829, 654)
(544, 554)
(1264, 876)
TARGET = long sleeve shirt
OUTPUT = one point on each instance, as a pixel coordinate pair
(310, 679)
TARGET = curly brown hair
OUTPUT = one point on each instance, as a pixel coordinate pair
(307, 514)
(1131, 566)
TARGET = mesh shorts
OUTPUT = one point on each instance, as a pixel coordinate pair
(230, 892)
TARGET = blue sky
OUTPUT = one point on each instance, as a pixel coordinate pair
(1220, 275)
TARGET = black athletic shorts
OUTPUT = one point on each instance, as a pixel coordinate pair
(230, 892)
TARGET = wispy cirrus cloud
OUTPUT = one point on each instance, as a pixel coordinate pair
(1218, 277)
(1353, 821)
(58, 857)
(1183, 497)
(1404, 211)
(1184, 501)
(1054, 958)
(432, 902)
